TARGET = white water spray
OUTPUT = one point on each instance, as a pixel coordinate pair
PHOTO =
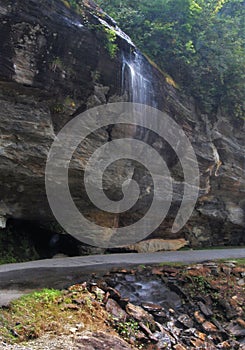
(137, 80)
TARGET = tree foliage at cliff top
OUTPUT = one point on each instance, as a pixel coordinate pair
(200, 43)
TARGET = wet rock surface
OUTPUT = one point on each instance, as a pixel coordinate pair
(55, 65)
(153, 294)
(163, 307)
(181, 307)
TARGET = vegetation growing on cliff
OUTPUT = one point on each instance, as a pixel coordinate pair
(16, 247)
(199, 42)
(79, 6)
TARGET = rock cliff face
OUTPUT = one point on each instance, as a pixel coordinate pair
(55, 64)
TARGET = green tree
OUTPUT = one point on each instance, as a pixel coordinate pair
(199, 42)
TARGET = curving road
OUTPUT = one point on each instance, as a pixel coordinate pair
(59, 273)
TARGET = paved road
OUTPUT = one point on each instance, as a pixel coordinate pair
(18, 279)
(15, 279)
(41, 273)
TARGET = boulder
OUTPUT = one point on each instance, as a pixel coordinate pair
(155, 245)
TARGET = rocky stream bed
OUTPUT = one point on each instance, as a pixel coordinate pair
(163, 306)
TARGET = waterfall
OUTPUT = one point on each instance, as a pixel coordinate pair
(137, 79)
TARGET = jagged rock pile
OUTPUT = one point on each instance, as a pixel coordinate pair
(200, 307)
(159, 307)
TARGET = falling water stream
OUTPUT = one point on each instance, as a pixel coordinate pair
(137, 82)
(136, 78)
(145, 288)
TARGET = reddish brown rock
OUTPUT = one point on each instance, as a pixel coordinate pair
(241, 322)
(197, 343)
(155, 245)
(199, 317)
(157, 270)
(224, 345)
(209, 327)
(179, 347)
(152, 308)
(115, 310)
(239, 271)
(101, 340)
(140, 315)
(114, 293)
(200, 335)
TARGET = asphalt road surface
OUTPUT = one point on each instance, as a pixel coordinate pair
(16, 279)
